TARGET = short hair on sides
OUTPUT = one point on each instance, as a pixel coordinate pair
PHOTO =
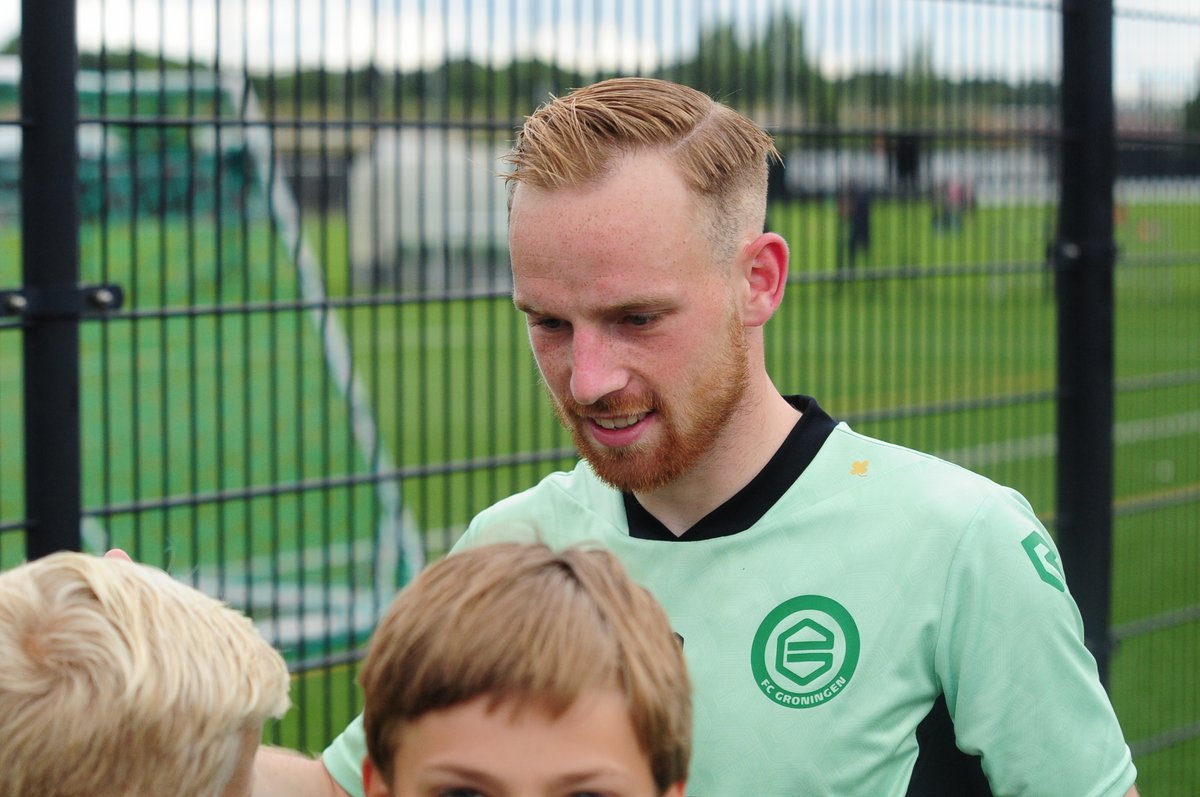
(721, 155)
(529, 627)
(117, 680)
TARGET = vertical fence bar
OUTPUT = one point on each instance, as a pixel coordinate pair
(50, 265)
(1085, 258)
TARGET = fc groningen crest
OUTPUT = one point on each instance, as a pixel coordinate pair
(805, 651)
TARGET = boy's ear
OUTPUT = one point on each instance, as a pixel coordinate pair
(373, 785)
(765, 269)
(676, 790)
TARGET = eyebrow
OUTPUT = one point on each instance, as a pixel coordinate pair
(525, 307)
(636, 304)
(588, 777)
(459, 771)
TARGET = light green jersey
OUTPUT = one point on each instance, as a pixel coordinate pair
(819, 637)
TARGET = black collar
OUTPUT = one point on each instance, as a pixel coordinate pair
(750, 503)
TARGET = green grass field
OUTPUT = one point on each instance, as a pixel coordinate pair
(226, 405)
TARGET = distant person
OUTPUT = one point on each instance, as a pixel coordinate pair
(860, 618)
(906, 161)
(952, 202)
(854, 208)
(512, 670)
(118, 681)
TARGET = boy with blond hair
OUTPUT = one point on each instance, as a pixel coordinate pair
(511, 669)
(118, 681)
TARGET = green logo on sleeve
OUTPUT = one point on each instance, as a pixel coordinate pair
(1045, 560)
(805, 651)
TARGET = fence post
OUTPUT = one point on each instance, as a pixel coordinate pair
(1085, 257)
(50, 269)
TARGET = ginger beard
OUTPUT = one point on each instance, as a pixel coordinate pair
(688, 425)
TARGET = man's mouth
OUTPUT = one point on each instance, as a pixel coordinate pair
(620, 422)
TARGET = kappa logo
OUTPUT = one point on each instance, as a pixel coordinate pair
(805, 651)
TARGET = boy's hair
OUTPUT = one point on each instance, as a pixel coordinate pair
(117, 680)
(534, 629)
(722, 156)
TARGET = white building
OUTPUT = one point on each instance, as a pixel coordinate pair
(428, 212)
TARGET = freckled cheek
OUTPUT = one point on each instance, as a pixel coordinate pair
(554, 363)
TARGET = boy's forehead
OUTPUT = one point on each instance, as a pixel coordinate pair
(596, 715)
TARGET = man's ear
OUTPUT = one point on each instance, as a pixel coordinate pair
(765, 268)
(373, 784)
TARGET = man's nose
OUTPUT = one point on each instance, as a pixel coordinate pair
(596, 367)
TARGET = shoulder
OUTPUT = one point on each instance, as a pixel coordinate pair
(562, 504)
(907, 476)
(967, 527)
(947, 513)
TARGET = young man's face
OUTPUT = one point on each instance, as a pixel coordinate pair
(469, 751)
(634, 326)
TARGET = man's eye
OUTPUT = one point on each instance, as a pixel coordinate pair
(639, 319)
(550, 324)
(461, 793)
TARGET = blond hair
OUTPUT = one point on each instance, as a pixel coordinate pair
(116, 680)
(720, 154)
(525, 626)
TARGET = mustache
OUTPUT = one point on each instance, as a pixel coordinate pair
(607, 406)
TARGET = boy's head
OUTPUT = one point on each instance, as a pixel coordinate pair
(116, 680)
(513, 658)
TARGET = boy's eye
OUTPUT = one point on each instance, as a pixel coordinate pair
(639, 319)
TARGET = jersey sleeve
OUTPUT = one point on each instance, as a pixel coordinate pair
(1023, 690)
(343, 758)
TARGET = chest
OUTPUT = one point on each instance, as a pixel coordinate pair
(811, 657)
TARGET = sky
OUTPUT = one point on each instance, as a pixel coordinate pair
(1014, 40)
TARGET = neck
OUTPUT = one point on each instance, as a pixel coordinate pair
(742, 449)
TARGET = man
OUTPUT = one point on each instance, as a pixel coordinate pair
(512, 670)
(118, 681)
(854, 212)
(851, 610)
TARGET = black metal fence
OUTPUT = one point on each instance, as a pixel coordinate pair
(255, 324)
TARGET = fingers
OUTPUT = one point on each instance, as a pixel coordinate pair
(117, 553)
